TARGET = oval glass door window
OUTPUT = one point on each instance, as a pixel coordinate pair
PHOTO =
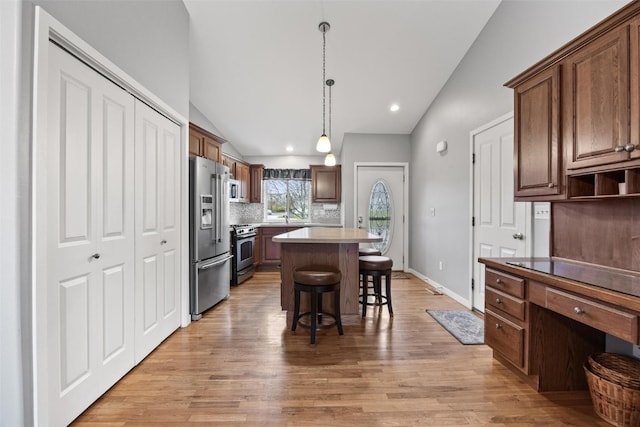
(381, 215)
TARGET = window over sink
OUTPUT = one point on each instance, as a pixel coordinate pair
(287, 195)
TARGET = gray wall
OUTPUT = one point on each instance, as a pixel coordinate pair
(11, 361)
(360, 147)
(519, 34)
(149, 40)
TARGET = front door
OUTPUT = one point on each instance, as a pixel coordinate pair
(380, 207)
(500, 223)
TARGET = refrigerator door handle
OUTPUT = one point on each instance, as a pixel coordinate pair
(214, 263)
(219, 208)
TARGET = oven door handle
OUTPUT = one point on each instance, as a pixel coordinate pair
(214, 263)
(245, 237)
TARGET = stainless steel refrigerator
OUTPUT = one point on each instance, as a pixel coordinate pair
(209, 239)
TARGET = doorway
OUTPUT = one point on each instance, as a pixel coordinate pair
(502, 227)
(381, 206)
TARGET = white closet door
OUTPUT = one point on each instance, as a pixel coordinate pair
(90, 235)
(157, 229)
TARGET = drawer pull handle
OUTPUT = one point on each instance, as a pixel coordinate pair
(629, 148)
(499, 281)
(498, 326)
(619, 149)
(578, 310)
(498, 301)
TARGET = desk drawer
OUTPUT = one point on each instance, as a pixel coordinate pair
(504, 303)
(507, 283)
(505, 337)
(608, 319)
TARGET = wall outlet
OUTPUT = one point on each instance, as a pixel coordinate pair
(636, 351)
(441, 265)
(541, 211)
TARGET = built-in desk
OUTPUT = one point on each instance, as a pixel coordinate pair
(544, 316)
(327, 246)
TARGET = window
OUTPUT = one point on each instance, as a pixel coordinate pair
(286, 196)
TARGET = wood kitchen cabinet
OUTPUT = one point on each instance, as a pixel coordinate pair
(255, 188)
(230, 162)
(577, 115)
(326, 184)
(507, 318)
(596, 89)
(543, 327)
(204, 144)
(242, 175)
(269, 250)
(538, 167)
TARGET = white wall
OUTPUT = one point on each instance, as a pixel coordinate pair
(519, 34)
(149, 40)
(360, 147)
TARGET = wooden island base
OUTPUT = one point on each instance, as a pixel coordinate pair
(324, 246)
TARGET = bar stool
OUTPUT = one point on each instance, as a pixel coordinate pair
(376, 267)
(368, 251)
(316, 279)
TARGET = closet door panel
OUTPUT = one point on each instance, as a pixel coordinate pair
(157, 228)
(89, 216)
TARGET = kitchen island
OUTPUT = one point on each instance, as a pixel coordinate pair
(337, 247)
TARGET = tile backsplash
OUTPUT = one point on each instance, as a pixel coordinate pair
(252, 213)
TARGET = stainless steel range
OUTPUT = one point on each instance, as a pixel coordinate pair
(243, 240)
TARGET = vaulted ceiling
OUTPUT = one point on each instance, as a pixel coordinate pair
(256, 66)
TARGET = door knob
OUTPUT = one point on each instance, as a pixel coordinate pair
(162, 242)
(619, 149)
(95, 256)
(629, 148)
(518, 236)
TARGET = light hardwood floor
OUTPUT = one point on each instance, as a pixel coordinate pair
(239, 366)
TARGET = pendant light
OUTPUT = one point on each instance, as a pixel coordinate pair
(324, 144)
(330, 159)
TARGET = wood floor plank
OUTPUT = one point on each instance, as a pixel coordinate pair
(240, 366)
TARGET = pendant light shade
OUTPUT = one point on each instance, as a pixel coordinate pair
(324, 144)
(330, 160)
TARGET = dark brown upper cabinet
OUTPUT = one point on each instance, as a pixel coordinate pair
(326, 184)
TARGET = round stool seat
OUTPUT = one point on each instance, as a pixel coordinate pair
(368, 251)
(317, 275)
(375, 262)
(316, 279)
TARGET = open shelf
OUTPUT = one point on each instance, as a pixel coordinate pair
(615, 183)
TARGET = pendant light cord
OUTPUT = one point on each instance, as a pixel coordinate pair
(324, 44)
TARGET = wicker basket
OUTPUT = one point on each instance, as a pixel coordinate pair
(614, 403)
(617, 368)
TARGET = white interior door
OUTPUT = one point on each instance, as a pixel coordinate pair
(377, 186)
(500, 223)
(89, 220)
(157, 228)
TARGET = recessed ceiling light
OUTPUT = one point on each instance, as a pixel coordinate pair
(289, 148)
(394, 107)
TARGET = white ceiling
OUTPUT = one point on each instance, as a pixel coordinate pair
(256, 66)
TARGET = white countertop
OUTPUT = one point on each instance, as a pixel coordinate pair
(326, 235)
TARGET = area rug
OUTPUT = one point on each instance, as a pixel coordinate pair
(398, 275)
(462, 324)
